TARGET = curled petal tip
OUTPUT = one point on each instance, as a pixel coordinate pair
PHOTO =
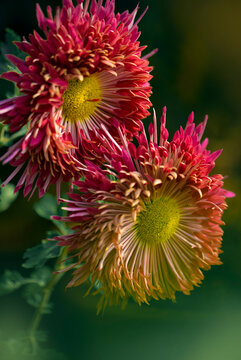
(230, 194)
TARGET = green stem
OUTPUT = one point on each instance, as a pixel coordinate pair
(47, 292)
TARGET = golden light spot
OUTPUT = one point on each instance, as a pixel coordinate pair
(158, 221)
(81, 98)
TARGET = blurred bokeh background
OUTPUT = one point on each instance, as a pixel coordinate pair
(196, 68)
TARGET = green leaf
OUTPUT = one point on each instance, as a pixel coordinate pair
(10, 281)
(47, 206)
(63, 229)
(7, 196)
(33, 294)
(8, 47)
(38, 255)
(42, 276)
(6, 138)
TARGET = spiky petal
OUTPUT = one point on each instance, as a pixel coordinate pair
(149, 222)
(77, 45)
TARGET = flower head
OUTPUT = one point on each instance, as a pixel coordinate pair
(87, 70)
(147, 223)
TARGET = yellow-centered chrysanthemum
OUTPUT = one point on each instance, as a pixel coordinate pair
(149, 221)
(83, 71)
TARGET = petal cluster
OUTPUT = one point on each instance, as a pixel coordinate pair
(126, 258)
(77, 44)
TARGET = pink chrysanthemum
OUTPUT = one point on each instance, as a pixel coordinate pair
(86, 71)
(149, 221)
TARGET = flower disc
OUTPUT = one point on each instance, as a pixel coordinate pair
(81, 99)
(158, 221)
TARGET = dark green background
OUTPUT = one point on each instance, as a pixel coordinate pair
(197, 68)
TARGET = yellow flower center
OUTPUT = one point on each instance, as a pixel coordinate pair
(81, 98)
(158, 221)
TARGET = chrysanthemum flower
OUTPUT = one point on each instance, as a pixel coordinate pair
(147, 223)
(87, 70)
